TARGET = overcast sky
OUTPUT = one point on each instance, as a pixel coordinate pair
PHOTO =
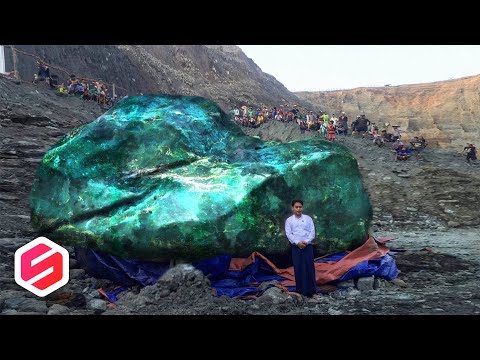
(330, 67)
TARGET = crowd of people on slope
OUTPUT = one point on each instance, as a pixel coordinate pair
(307, 120)
(93, 90)
(330, 126)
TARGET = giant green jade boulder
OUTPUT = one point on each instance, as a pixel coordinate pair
(161, 177)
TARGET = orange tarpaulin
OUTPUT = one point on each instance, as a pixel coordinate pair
(324, 271)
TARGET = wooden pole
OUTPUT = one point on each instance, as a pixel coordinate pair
(113, 90)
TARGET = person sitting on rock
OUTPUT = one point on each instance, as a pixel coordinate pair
(362, 125)
(403, 153)
(397, 145)
(279, 116)
(423, 141)
(259, 118)
(43, 73)
(417, 146)
(266, 114)
(416, 143)
(310, 124)
(245, 121)
(86, 91)
(72, 84)
(62, 89)
(386, 136)
(471, 152)
(289, 117)
(303, 126)
(378, 140)
(341, 128)
(102, 93)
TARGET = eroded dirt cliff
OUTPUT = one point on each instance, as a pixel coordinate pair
(445, 112)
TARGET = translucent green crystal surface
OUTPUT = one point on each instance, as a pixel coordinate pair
(165, 176)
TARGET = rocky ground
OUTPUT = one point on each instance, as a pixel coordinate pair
(428, 204)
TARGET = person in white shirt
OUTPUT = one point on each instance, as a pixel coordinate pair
(334, 119)
(300, 231)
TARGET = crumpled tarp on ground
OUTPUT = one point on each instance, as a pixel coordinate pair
(240, 277)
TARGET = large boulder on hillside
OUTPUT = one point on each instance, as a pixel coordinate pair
(158, 177)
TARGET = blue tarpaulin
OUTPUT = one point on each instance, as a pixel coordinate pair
(237, 282)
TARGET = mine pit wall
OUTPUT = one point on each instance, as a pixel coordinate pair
(446, 113)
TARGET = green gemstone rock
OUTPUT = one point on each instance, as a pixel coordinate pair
(161, 177)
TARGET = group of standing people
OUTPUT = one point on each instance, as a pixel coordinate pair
(96, 90)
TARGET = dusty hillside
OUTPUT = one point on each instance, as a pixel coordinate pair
(222, 73)
(445, 112)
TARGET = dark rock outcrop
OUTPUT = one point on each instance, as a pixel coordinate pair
(222, 73)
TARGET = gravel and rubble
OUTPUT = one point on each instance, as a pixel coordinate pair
(438, 275)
